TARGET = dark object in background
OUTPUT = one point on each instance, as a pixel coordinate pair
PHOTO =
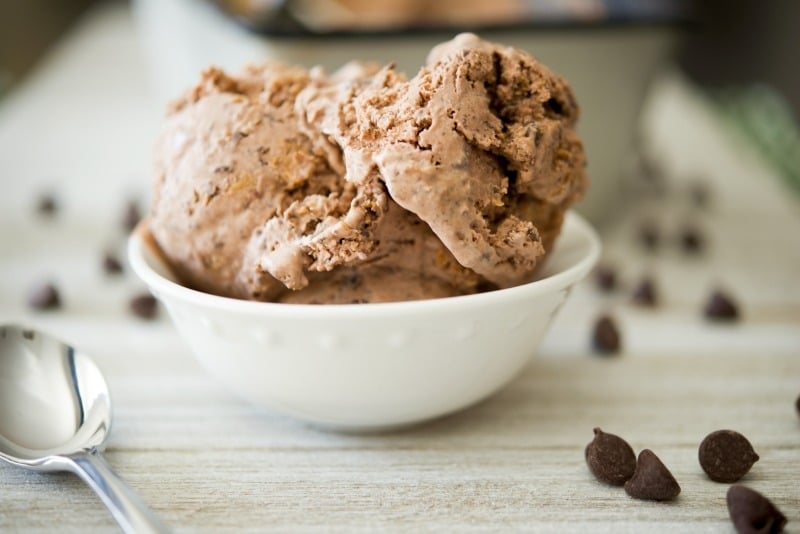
(645, 294)
(606, 337)
(797, 405)
(726, 456)
(605, 278)
(46, 205)
(721, 307)
(652, 481)
(746, 41)
(28, 28)
(692, 241)
(131, 216)
(44, 296)
(751, 512)
(610, 458)
(111, 265)
(744, 54)
(144, 306)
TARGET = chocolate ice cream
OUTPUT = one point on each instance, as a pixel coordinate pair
(364, 186)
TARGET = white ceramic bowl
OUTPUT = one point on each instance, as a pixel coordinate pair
(368, 366)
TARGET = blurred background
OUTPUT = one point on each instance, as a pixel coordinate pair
(103, 72)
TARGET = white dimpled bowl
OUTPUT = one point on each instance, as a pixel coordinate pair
(371, 366)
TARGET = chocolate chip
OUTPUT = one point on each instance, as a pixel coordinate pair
(44, 296)
(652, 480)
(111, 265)
(131, 216)
(610, 458)
(144, 306)
(645, 293)
(605, 278)
(649, 236)
(46, 205)
(726, 456)
(353, 280)
(720, 307)
(752, 513)
(692, 241)
(606, 338)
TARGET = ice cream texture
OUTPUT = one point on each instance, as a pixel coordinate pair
(288, 185)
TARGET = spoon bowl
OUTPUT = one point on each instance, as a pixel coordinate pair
(53, 400)
(55, 415)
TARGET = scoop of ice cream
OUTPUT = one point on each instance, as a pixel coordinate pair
(468, 145)
(295, 186)
(229, 157)
(234, 176)
(244, 206)
(536, 107)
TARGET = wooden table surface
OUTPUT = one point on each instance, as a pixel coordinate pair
(206, 461)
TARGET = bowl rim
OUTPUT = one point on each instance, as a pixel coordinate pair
(162, 286)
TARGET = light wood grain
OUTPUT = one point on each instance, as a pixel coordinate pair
(208, 463)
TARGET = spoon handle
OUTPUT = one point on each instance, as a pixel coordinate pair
(132, 514)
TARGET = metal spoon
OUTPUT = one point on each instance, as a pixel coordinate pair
(55, 414)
